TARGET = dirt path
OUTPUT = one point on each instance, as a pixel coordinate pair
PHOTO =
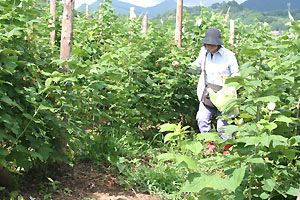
(84, 181)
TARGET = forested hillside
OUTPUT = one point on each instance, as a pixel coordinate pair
(276, 19)
(271, 5)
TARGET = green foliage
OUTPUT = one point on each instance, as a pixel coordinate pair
(120, 81)
(263, 163)
(29, 118)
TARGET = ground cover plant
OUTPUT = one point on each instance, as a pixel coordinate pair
(123, 86)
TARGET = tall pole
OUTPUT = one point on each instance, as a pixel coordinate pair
(87, 10)
(226, 17)
(67, 30)
(132, 14)
(178, 31)
(52, 22)
(145, 24)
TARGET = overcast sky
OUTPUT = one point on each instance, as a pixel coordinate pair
(149, 3)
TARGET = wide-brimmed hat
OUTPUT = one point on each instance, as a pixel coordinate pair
(212, 36)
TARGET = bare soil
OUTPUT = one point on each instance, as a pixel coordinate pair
(84, 181)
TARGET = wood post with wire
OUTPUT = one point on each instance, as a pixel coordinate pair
(226, 17)
(132, 14)
(178, 31)
(145, 24)
(87, 10)
(52, 22)
(67, 30)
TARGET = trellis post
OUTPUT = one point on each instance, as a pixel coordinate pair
(52, 22)
(232, 29)
(178, 31)
(226, 17)
(67, 30)
(87, 7)
(145, 24)
(132, 14)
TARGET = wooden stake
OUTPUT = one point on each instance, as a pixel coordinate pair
(226, 17)
(52, 22)
(132, 14)
(178, 33)
(232, 29)
(67, 30)
(145, 24)
(87, 10)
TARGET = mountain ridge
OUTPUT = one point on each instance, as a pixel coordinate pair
(271, 5)
(167, 5)
(124, 8)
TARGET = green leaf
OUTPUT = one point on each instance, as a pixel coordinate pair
(255, 160)
(294, 140)
(48, 82)
(167, 127)
(265, 140)
(207, 137)
(293, 191)
(237, 178)
(188, 162)
(149, 81)
(195, 147)
(47, 107)
(3, 152)
(23, 161)
(264, 195)
(28, 116)
(8, 100)
(260, 170)
(269, 184)
(3, 162)
(45, 151)
(250, 51)
(6, 82)
(278, 140)
(253, 83)
(267, 99)
(270, 126)
(290, 153)
(36, 155)
(14, 32)
(166, 156)
(169, 136)
(254, 140)
(230, 129)
(283, 118)
(206, 181)
(21, 148)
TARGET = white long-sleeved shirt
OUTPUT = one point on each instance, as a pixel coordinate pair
(220, 64)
